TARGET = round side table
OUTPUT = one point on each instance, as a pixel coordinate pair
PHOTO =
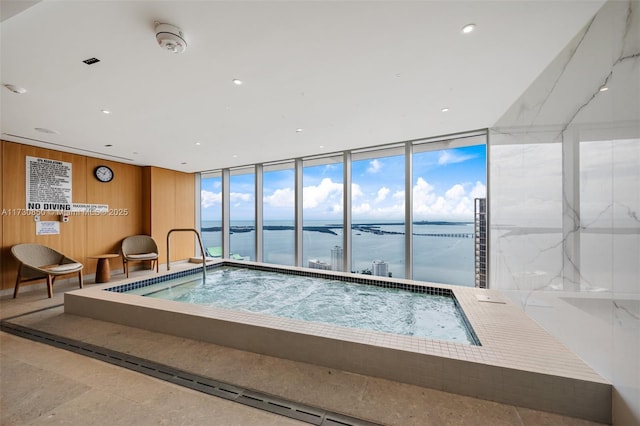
(103, 270)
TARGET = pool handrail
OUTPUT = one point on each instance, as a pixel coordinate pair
(195, 231)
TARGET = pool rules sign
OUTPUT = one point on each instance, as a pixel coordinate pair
(48, 184)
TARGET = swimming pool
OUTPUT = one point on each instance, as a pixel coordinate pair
(517, 363)
(415, 311)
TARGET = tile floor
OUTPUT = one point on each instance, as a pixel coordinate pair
(40, 384)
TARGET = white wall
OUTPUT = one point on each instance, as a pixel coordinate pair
(564, 168)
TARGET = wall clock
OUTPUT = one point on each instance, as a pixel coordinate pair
(103, 173)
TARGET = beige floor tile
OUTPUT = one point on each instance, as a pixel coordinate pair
(40, 384)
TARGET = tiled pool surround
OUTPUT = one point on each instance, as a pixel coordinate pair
(517, 362)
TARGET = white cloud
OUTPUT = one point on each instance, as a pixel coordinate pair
(374, 166)
(240, 196)
(326, 191)
(479, 190)
(356, 192)
(449, 157)
(208, 198)
(455, 192)
(454, 204)
(284, 197)
(423, 193)
(361, 209)
(382, 194)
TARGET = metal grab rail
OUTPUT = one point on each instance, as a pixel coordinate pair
(195, 231)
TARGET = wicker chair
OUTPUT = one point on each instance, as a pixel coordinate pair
(139, 248)
(37, 262)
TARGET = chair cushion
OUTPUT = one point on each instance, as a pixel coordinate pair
(65, 267)
(142, 256)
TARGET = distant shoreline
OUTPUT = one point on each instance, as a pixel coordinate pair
(372, 228)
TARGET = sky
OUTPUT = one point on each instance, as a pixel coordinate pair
(445, 183)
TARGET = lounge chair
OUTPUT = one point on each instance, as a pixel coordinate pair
(39, 262)
(139, 248)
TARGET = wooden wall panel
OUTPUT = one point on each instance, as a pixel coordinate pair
(21, 227)
(146, 200)
(172, 206)
(184, 207)
(2, 253)
(125, 215)
(141, 200)
(83, 235)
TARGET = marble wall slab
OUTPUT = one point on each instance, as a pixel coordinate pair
(564, 199)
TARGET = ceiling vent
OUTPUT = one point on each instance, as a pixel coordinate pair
(170, 38)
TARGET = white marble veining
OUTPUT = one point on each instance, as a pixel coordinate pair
(564, 166)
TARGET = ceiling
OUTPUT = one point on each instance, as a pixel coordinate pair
(347, 74)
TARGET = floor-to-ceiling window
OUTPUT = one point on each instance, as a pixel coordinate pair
(409, 209)
(278, 201)
(447, 177)
(378, 212)
(211, 213)
(322, 209)
(242, 215)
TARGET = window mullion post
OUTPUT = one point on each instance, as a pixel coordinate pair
(346, 214)
(198, 211)
(259, 213)
(226, 211)
(408, 210)
(298, 212)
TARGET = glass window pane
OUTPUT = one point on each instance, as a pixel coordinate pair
(242, 216)
(322, 214)
(445, 184)
(377, 215)
(211, 214)
(278, 200)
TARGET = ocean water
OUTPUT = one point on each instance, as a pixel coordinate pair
(439, 259)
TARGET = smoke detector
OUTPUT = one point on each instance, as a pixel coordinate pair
(170, 38)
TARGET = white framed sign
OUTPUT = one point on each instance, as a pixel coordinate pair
(48, 184)
(48, 228)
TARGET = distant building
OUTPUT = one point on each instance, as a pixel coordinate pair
(380, 268)
(480, 225)
(319, 264)
(337, 257)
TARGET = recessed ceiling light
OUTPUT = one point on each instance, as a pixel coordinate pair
(16, 89)
(298, 130)
(468, 28)
(237, 82)
(105, 111)
(445, 109)
(234, 156)
(197, 143)
(321, 146)
(604, 88)
(49, 131)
